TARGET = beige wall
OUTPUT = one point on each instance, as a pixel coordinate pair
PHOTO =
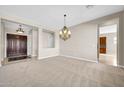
(83, 43)
(48, 39)
(34, 43)
(0, 43)
(121, 40)
(47, 52)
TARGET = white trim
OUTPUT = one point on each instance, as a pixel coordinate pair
(79, 58)
(107, 55)
(120, 66)
(47, 57)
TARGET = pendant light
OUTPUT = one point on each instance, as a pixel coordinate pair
(65, 32)
(20, 30)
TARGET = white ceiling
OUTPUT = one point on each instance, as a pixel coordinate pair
(51, 16)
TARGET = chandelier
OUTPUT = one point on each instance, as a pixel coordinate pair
(65, 33)
(20, 30)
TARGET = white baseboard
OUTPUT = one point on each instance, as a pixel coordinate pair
(48, 56)
(84, 59)
(120, 66)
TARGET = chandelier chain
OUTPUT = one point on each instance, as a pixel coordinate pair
(65, 20)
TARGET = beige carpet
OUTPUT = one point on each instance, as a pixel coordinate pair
(60, 72)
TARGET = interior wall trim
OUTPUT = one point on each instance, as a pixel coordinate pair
(48, 56)
(120, 66)
(79, 58)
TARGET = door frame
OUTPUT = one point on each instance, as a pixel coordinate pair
(117, 46)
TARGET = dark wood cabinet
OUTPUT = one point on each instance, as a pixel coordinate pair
(16, 45)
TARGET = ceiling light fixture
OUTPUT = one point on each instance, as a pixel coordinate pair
(65, 33)
(20, 30)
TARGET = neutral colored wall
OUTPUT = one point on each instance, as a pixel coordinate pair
(0, 43)
(121, 40)
(88, 50)
(34, 43)
(47, 52)
(111, 47)
(83, 42)
(48, 39)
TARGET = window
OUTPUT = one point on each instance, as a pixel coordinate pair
(48, 39)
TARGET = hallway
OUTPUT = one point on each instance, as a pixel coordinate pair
(108, 59)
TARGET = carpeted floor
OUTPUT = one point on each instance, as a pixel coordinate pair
(60, 72)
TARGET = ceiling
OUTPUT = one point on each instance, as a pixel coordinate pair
(51, 16)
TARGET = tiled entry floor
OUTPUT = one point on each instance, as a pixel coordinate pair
(108, 59)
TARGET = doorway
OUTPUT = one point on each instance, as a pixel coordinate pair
(107, 41)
